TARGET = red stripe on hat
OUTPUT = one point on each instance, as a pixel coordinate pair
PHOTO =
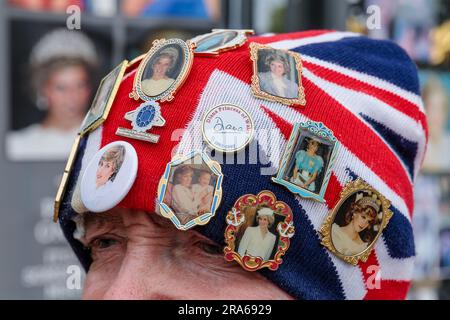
(290, 36)
(381, 289)
(395, 101)
(284, 126)
(390, 290)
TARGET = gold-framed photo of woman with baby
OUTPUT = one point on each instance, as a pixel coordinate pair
(163, 70)
(277, 75)
(308, 158)
(353, 227)
(259, 231)
(190, 190)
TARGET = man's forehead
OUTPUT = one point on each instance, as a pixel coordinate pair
(104, 219)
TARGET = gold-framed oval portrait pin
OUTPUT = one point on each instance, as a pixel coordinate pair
(355, 224)
(220, 40)
(277, 75)
(259, 228)
(163, 70)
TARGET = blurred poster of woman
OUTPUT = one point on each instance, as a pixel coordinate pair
(62, 64)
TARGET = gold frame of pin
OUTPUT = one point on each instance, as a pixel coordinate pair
(236, 42)
(256, 89)
(167, 212)
(211, 145)
(350, 189)
(65, 177)
(325, 135)
(235, 219)
(168, 94)
(92, 121)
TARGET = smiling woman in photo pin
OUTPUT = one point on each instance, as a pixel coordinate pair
(259, 241)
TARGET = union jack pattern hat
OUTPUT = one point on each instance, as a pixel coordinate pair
(366, 91)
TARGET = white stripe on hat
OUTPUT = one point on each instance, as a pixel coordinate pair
(326, 37)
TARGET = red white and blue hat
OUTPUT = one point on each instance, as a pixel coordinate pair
(366, 91)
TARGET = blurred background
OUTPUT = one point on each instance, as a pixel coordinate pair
(49, 75)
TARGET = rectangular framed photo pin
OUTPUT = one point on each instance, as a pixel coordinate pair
(305, 166)
(277, 75)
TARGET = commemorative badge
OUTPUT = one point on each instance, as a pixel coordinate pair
(352, 228)
(190, 190)
(163, 70)
(220, 40)
(227, 128)
(143, 118)
(277, 75)
(109, 176)
(258, 233)
(103, 99)
(308, 158)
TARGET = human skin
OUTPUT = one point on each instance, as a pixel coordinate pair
(204, 179)
(104, 171)
(67, 92)
(160, 68)
(360, 221)
(277, 68)
(139, 255)
(185, 179)
(263, 223)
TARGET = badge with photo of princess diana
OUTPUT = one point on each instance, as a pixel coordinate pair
(277, 75)
(353, 227)
(163, 70)
(259, 231)
(308, 158)
(190, 190)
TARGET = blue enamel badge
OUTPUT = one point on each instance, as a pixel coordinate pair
(143, 118)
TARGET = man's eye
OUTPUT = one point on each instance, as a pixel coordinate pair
(210, 248)
(103, 243)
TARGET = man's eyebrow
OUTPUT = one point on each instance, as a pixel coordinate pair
(100, 221)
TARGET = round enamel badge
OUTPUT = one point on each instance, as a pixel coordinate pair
(227, 128)
(109, 176)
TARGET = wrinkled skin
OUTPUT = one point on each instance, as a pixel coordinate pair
(137, 255)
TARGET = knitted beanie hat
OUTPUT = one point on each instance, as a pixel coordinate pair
(365, 91)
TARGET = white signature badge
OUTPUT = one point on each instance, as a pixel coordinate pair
(227, 128)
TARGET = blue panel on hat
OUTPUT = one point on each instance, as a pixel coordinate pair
(403, 148)
(379, 58)
(398, 236)
(306, 264)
